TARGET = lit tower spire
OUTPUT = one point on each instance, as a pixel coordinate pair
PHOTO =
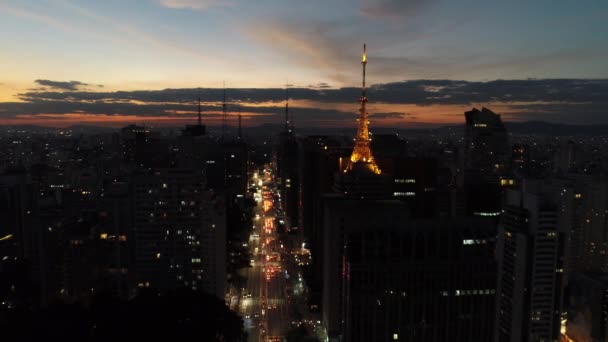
(362, 154)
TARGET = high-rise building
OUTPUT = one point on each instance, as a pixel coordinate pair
(588, 239)
(288, 170)
(179, 232)
(486, 145)
(17, 201)
(418, 280)
(143, 147)
(321, 158)
(360, 191)
(485, 169)
(343, 216)
(531, 248)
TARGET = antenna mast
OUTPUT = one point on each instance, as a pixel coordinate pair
(240, 136)
(224, 115)
(287, 107)
(200, 121)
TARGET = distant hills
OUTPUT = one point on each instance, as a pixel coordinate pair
(542, 127)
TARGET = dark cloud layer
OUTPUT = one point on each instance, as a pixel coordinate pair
(557, 100)
(64, 85)
(70, 85)
(390, 8)
(420, 92)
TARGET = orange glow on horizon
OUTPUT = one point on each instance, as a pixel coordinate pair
(399, 115)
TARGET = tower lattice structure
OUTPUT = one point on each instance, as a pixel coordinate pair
(362, 153)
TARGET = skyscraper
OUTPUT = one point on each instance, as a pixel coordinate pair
(485, 164)
(417, 280)
(530, 252)
(288, 170)
(179, 232)
(486, 146)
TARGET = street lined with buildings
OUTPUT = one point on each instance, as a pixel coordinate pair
(266, 303)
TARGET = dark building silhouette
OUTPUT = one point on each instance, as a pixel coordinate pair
(342, 216)
(419, 280)
(531, 249)
(486, 146)
(485, 169)
(288, 172)
(179, 232)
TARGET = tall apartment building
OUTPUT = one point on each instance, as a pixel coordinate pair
(179, 232)
(485, 168)
(531, 248)
(589, 241)
(487, 149)
(422, 280)
(343, 215)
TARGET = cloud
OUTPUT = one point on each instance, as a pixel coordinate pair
(199, 5)
(321, 85)
(582, 101)
(418, 92)
(389, 115)
(392, 8)
(70, 85)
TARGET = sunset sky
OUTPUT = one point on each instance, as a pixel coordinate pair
(113, 62)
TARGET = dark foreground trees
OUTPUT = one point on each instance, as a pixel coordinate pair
(181, 315)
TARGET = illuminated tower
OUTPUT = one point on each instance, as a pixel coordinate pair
(362, 154)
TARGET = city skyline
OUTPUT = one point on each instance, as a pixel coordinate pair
(68, 62)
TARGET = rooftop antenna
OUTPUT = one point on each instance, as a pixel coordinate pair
(287, 107)
(200, 121)
(224, 114)
(240, 134)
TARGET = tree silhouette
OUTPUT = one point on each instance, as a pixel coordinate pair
(177, 315)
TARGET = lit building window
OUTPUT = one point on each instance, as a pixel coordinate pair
(483, 213)
(473, 242)
(404, 194)
(507, 182)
